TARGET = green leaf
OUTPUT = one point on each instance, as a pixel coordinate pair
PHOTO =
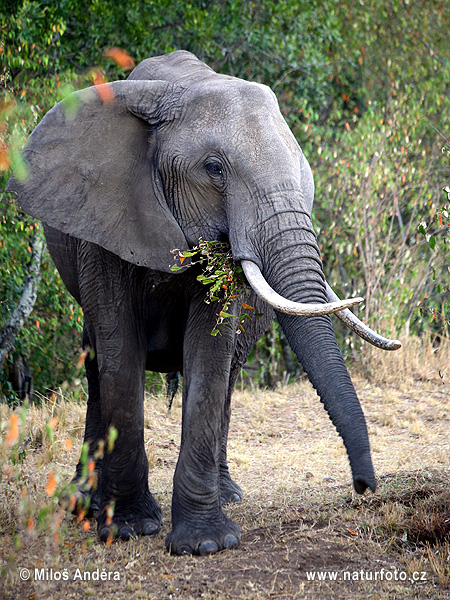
(205, 280)
(20, 167)
(112, 437)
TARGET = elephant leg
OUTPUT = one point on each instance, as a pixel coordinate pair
(125, 490)
(115, 330)
(198, 524)
(87, 493)
(230, 491)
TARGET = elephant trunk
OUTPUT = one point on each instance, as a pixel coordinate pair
(291, 265)
(313, 341)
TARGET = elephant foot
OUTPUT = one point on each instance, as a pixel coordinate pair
(130, 519)
(230, 491)
(203, 538)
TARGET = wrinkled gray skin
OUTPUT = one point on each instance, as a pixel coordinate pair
(177, 154)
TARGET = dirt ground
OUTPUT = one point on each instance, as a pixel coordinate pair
(306, 534)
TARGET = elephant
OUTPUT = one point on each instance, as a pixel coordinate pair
(122, 174)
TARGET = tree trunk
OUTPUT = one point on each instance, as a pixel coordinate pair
(25, 305)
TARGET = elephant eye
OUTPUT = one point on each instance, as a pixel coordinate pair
(214, 169)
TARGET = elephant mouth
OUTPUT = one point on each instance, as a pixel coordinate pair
(334, 305)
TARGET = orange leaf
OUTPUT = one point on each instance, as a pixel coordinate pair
(5, 161)
(109, 541)
(352, 532)
(109, 514)
(97, 77)
(86, 525)
(105, 92)
(122, 58)
(82, 358)
(246, 306)
(81, 515)
(102, 86)
(91, 466)
(30, 524)
(51, 485)
(13, 434)
(53, 422)
(68, 444)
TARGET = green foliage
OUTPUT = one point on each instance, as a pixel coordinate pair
(387, 171)
(224, 278)
(378, 165)
(437, 235)
(364, 86)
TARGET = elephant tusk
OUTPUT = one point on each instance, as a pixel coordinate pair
(349, 319)
(269, 295)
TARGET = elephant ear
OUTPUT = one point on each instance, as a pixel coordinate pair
(90, 171)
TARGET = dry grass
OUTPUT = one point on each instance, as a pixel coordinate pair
(299, 513)
(422, 359)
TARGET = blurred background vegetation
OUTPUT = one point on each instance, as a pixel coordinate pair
(364, 86)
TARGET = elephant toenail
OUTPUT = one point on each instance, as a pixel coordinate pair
(230, 541)
(208, 547)
(104, 534)
(126, 533)
(149, 528)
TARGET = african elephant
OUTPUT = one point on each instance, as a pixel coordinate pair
(121, 175)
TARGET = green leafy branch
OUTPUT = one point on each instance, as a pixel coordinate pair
(440, 230)
(226, 279)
